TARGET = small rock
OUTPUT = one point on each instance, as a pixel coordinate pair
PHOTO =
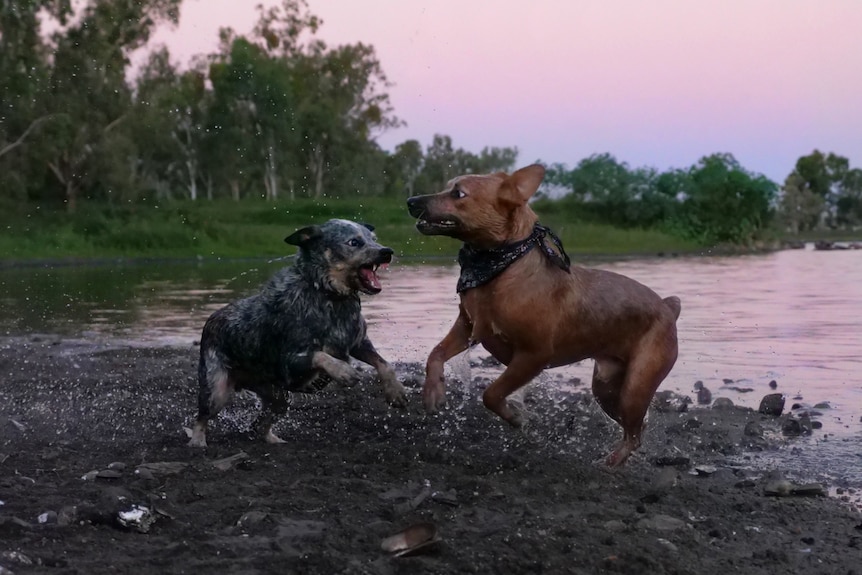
(693, 423)
(449, 497)
(773, 384)
(117, 466)
(704, 470)
(784, 488)
(228, 462)
(772, 404)
(672, 461)
(614, 526)
(68, 515)
(668, 545)
(48, 517)
(90, 475)
(138, 518)
(809, 490)
(661, 523)
(704, 396)
(17, 557)
(822, 405)
(778, 488)
(108, 474)
(148, 470)
(251, 518)
(753, 429)
(722, 403)
(144, 473)
(794, 427)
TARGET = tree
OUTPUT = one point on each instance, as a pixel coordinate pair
(725, 203)
(823, 174)
(87, 84)
(849, 204)
(403, 168)
(23, 75)
(799, 207)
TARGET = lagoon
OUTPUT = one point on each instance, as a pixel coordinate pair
(793, 317)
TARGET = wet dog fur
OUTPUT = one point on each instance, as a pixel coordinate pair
(299, 332)
(535, 315)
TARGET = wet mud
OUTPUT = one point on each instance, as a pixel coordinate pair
(96, 477)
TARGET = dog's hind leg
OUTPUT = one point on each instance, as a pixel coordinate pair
(456, 341)
(216, 388)
(608, 378)
(644, 373)
(274, 400)
(521, 370)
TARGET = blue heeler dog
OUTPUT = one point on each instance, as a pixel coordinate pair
(300, 331)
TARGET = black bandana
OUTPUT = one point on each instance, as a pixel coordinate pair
(478, 267)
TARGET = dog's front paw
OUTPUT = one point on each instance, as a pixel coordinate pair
(394, 392)
(433, 396)
(342, 371)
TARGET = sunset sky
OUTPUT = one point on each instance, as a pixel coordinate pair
(659, 83)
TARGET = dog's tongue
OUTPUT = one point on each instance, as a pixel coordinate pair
(370, 278)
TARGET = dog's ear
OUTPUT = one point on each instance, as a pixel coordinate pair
(525, 182)
(368, 227)
(303, 236)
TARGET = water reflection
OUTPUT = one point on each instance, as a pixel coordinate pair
(791, 316)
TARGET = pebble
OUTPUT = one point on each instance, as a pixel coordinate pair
(614, 526)
(47, 517)
(661, 523)
(722, 403)
(703, 470)
(251, 518)
(772, 404)
(753, 429)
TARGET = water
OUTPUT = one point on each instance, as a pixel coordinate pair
(792, 316)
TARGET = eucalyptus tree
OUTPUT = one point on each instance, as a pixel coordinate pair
(849, 204)
(799, 207)
(403, 167)
(725, 202)
(88, 86)
(24, 62)
(158, 118)
(342, 106)
(823, 174)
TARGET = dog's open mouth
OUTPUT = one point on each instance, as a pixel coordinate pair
(441, 226)
(368, 281)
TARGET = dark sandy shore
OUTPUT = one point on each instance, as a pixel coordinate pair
(89, 439)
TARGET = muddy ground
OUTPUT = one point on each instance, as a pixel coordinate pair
(89, 437)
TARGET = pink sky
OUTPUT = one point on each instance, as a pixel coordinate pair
(659, 83)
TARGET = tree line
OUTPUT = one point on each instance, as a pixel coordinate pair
(714, 201)
(276, 113)
(279, 114)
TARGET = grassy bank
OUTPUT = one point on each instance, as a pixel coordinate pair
(257, 229)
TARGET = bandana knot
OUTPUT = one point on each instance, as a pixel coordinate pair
(479, 267)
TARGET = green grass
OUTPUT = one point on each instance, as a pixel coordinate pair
(227, 229)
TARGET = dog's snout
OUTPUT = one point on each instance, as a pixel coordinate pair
(386, 254)
(415, 206)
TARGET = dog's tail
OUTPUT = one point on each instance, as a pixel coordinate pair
(674, 304)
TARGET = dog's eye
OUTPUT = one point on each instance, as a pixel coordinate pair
(458, 193)
(354, 242)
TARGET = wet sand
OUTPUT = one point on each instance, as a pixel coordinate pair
(95, 477)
